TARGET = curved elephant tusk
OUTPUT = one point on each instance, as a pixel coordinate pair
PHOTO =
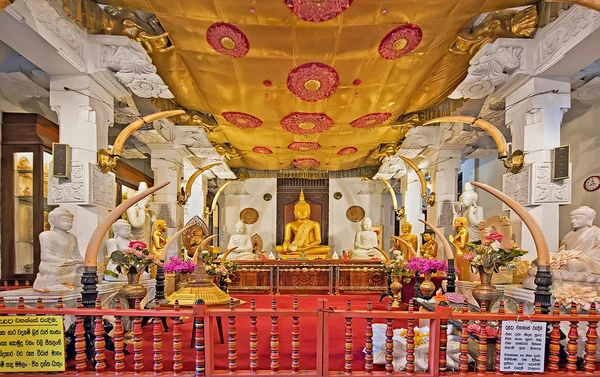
(216, 198)
(539, 240)
(117, 148)
(392, 193)
(420, 174)
(385, 255)
(412, 253)
(441, 236)
(488, 127)
(91, 253)
(204, 244)
(172, 239)
(226, 254)
(196, 174)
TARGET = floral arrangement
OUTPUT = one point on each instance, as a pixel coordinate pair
(427, 266)
(455, 298)
(582, 297)
(213, 267)
(420, 336)
(136, 256)
(396, 268)
(490, 255)
(178, 266)
(490, 332)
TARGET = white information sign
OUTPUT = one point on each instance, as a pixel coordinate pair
(523, 345)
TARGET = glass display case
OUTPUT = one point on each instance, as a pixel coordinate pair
(26, 157)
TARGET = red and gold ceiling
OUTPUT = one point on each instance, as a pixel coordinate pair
(311, 83)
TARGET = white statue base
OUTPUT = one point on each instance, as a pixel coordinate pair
(563, 277)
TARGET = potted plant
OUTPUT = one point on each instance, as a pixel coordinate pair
(426, 267)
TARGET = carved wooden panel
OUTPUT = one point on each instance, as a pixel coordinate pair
(354, 280)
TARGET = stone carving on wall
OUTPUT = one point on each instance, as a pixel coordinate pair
(420, 137)
(86, 186)
(490, 67)
(391, 166)
(589, 90)
(459, 134)
(45, 13)
(132, 66)
(103, 188)
(534, 186)
(157, 133)
(164, 211)
(191, 137)
(570, 28)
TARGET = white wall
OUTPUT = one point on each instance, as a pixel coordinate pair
(267, 211)
(489, 170)
(581, 129)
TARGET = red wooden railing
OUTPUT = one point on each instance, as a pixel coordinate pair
(204, 364)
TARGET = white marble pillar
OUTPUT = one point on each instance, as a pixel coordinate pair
(84, 118)
(444, 170)
(412, 201)
(535, 120)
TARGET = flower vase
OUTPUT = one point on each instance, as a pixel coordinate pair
(133, 289)
(427, 287)
(396, 287)
(485, 292)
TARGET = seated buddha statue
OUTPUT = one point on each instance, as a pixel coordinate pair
(303, 236)
(408, 237)
(365, 243)
(429, 249)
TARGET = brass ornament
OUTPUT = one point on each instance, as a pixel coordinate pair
(355, 214)
(431, 199)
(267, 197)
(337, 195)
(249, 215)
(515, 162)
(227, 43)
(312, 85)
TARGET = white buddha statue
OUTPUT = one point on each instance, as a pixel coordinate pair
(122, 232)
(243, 242)
(61, 264)
(471, 211)
(365, 243)
(140, 216)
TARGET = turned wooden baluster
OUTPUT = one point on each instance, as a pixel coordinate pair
(348, 357)
(2, 304)
(389, 343)
(410, 342)
(463, 358)
(232, 340)
(482, 343)
(274, 339)
(253, 340)
(589, 364)
(80, 356)
(157, 331)
(21, 303)
(443, 362)
(59, 303)
(369, 342)
(99, 343)
(119, 341)
(177, 345)
(200, 346)
(138, 342)
(572, 343)
(40, 303)
(499, 341)
(554, 342)
(295, 340)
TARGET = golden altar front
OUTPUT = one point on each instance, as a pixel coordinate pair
(332, 277)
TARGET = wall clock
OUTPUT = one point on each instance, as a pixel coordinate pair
(592, 183)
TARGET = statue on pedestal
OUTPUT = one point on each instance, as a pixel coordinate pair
(460, 240)
(470, 211)
(303, 235)
(429, 249)
(140, 216)
(158, 239)
(61, 264)
(408, 237)
(122, 231)
(365, 243)
(243, 243)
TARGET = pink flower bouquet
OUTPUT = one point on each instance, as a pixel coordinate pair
(490, 254)
(177, 266)
(136, 256)
(427, 266)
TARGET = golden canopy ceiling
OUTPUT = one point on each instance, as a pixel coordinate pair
(203, 79)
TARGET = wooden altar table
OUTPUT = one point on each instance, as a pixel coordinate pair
(309, 276)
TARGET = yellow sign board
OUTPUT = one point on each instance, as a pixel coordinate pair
(32, 344)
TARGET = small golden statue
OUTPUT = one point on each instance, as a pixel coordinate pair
(24, 164)
(408, 237)
(429, 249)
(303, 236)
(158, 240)
(459, 240)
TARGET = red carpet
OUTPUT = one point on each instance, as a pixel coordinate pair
(308, 337)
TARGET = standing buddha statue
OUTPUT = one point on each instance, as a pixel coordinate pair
(303, 236)
(459, 240)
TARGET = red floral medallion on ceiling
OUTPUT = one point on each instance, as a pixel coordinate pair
(227, 39)
(317, 10)
(370, 120)
(305, 163)
(304, 146)
(400, 41)
(262, 150)
(346, 151)
(242, 120)
(313, 82)
(306, 123)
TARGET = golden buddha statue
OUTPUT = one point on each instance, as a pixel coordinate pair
(303, 236)
(158, 240)
(429, 249)
(408, 237)
(459, 240)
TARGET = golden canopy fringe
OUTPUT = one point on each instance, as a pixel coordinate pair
(365, 172)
